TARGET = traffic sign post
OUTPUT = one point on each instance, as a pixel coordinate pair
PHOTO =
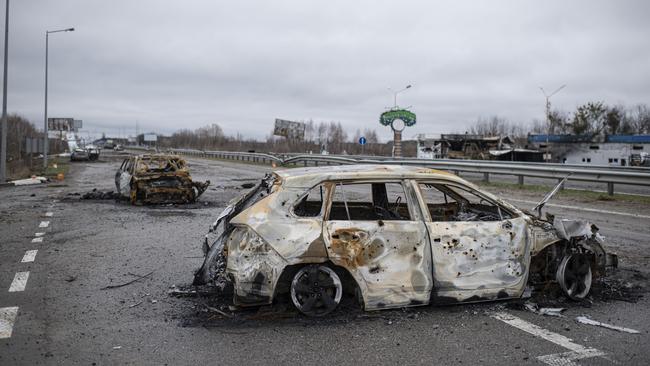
(362, 142)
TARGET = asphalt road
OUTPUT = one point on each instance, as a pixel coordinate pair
(64, 314)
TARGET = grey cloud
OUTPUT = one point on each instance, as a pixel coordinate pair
(171, 65)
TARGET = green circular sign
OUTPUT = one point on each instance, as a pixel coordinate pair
(388, 117)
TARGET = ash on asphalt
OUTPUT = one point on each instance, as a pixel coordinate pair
(212, 307)
(98, 195)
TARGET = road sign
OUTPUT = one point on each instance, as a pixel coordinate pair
(289, 129)
(60, 124)
(362, 140)
(150, 137)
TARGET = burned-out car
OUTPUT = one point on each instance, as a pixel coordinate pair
(395, 236)
(157, 178)
(79, 154)
(87, 153)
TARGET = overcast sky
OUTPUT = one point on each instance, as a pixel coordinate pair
(241, 64)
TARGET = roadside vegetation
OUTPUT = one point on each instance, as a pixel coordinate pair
(569, 193)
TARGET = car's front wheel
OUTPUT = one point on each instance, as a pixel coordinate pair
(574, 276)
(316, 290)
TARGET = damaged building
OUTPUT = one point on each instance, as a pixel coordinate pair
(611, 150)
(474, 147)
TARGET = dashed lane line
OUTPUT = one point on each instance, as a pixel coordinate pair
(29, 256)
(586, 209)
(20, 282)
(8, 315)
(7, 319)
(576, 351)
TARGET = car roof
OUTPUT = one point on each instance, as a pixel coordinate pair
(309, 177)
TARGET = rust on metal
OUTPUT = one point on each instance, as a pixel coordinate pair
(157, 179)
(471, 246)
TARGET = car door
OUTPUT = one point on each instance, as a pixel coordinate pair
(118, 174)
(374, 231)
(480, 251)
(124, 180)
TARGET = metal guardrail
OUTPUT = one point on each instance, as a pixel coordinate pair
(488, 162)
(597, 174)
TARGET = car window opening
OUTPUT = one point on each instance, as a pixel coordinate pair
(369, 201)
(464, 205)
(311, 204)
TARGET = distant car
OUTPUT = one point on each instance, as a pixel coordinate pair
(79, 155)
(118, 148)
(157, 178)
(93, 152)
(396, 237)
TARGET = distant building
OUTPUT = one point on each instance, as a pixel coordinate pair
(476, 147)
(612, 150)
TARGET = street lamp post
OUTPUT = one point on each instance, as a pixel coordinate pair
(398, 125)
(45, 139)
(397, 92)
(548, 117)
(3, 152)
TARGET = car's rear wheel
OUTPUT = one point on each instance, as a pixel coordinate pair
(574, 276)
(316, 290)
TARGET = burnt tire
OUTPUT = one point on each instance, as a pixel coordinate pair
(316, 290)
(574, 276)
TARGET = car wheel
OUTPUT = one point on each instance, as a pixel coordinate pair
(316, 290)
(574, 276)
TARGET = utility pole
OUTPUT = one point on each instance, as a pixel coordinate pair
(547, 157)
(3, 151)
(45, 138)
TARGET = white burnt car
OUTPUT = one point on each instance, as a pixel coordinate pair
(395, 236)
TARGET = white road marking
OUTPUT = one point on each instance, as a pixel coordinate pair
(7, 318)
(586, 209)
(39, 234)
(567, 358)
(29, 256)
(586, 320)
(37, 239)
(44, 224)
(49, 214)
(559, 359)
(19, 282)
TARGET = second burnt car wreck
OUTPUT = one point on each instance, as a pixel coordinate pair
(393, 236)
(157, 179)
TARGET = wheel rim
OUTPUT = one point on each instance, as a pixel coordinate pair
(574, 276)
(316, 290)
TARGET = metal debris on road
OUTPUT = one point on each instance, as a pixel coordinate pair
(218, 311)
(586, 320)
(29, 181)
(99, 195)
(533, 308)
(127, 283)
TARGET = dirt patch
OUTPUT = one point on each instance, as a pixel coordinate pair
(169, 213)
